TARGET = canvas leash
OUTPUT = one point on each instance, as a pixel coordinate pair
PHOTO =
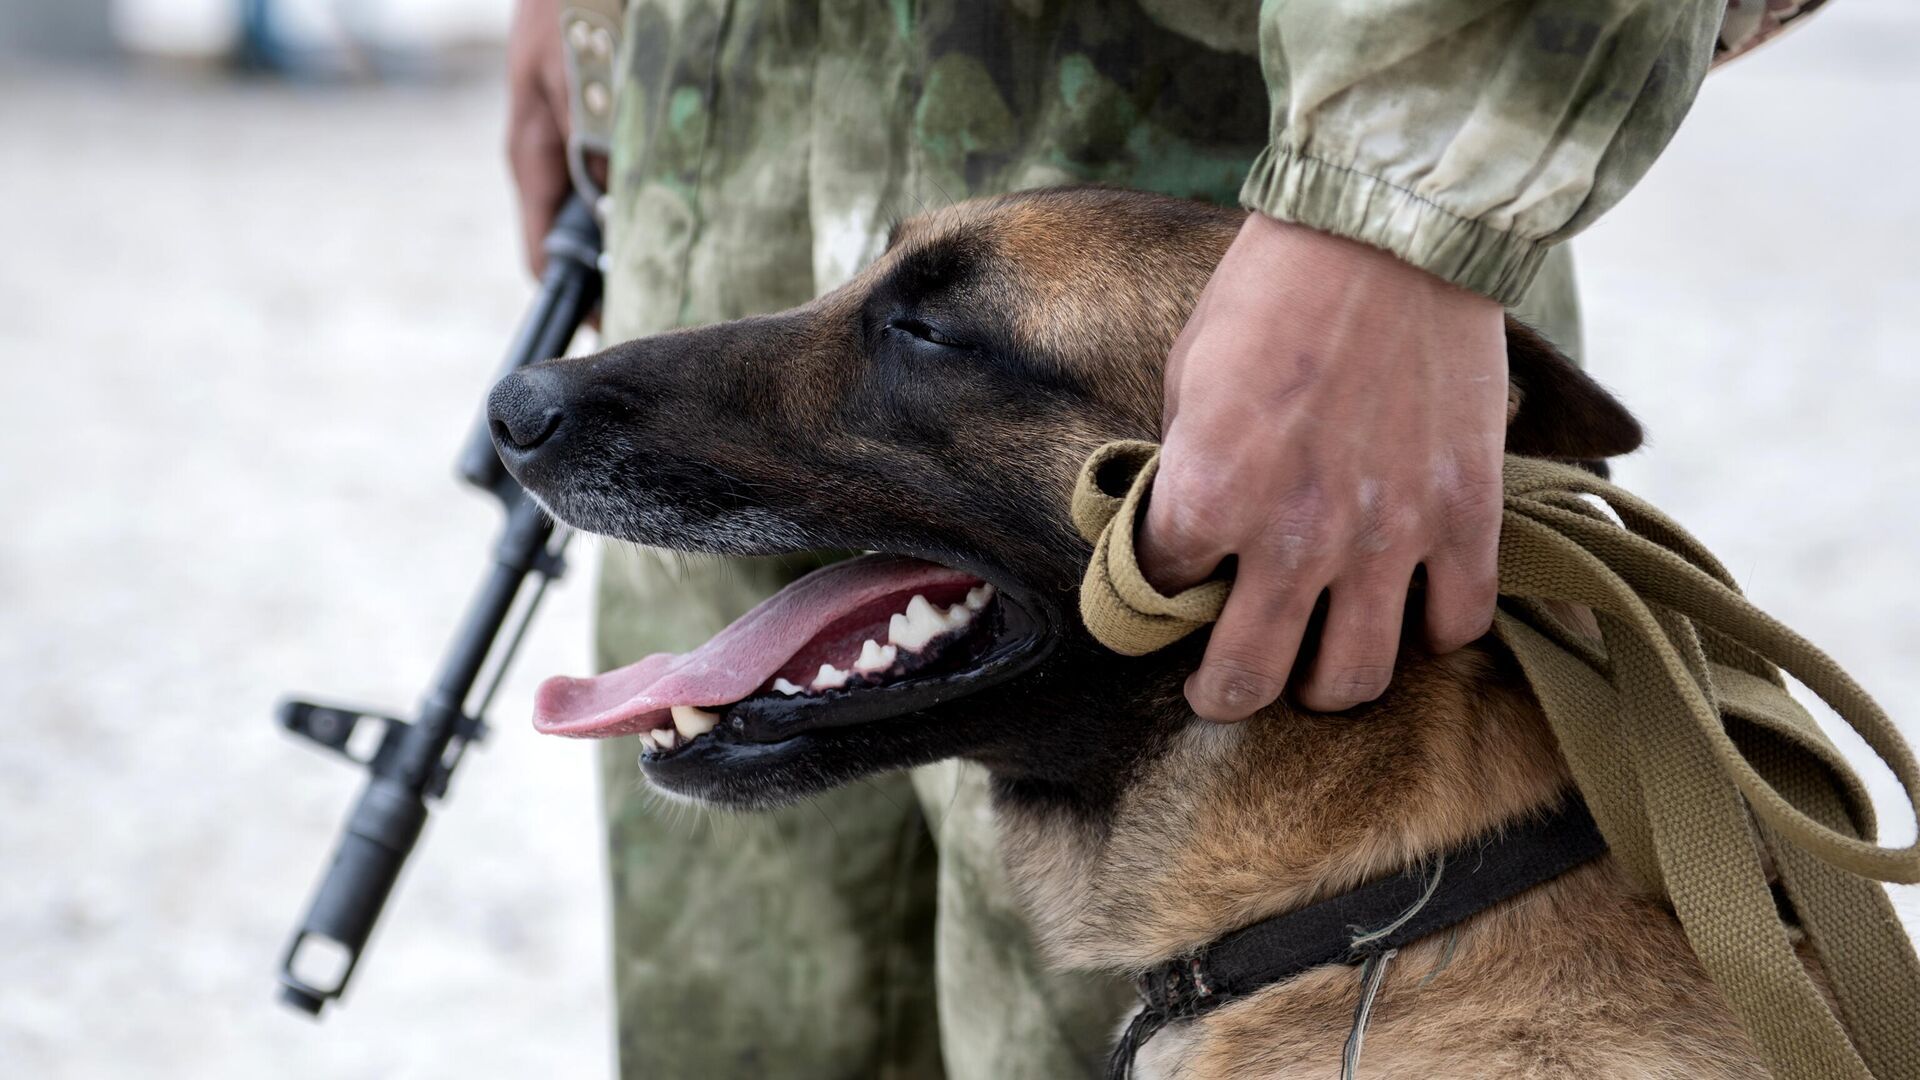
(1695, 762)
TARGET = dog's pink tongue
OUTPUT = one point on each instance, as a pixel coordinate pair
(738, 660)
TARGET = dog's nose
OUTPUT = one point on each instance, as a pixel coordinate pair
(524, 411)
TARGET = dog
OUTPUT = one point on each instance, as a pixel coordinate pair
(934, 412)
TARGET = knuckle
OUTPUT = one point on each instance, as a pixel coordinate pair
(1376, 535)
(1385, 531)
(1233, 688)
(1248, 663)
(1468, 579)
(1364, 681)
(1347, 686)
(1189, 518)
(1469, 549)
(1305, 503)
(1297, 542)
(1311, 528)
(1192, 482)
(1281, 597)
(1471, 500)
(1450, 630)
(1460, 607)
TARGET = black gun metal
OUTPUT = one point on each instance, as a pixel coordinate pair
(409, 762)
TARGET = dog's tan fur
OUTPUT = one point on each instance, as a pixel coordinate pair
(1223, 825)
(1582, 977)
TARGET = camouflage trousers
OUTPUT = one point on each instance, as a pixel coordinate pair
(867, 933)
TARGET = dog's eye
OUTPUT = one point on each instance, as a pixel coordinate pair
(929, 334)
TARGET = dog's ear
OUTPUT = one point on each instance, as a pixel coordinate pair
(1554, 410)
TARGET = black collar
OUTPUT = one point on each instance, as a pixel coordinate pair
(1367, 922)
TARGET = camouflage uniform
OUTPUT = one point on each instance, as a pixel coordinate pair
(762, 148)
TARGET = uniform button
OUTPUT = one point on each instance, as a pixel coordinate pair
(601, 44)
(579, 35)
(596, 98)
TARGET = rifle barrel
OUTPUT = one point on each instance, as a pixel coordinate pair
(385, 822)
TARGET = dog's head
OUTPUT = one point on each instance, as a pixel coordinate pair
(935, 411)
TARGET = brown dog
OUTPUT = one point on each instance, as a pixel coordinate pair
(937, 408)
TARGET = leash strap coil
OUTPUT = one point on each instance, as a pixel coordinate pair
(1695, 762)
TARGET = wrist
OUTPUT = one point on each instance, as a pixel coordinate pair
(1303, 253)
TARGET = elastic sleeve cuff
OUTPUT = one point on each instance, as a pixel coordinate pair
(1334, 199)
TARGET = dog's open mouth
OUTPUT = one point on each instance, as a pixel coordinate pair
(863, 639)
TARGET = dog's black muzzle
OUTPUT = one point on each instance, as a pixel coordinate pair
(526, 412)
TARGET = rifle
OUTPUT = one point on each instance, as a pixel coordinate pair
(411, 761)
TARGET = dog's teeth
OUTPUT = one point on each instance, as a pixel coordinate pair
(787, 688)
(691, 722)
(662, 738)
(830, 678)
(979, 597)
(921, 624)
(919, 609)
(875, 657)
(959, 615)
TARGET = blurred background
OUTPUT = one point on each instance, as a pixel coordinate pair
(259, 264)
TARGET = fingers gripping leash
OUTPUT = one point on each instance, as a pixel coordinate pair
(1681, 737)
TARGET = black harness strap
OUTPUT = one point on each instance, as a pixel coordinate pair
(1348, 929)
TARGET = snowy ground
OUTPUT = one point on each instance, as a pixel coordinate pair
(244, 329)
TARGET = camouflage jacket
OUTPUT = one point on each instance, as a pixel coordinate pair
(1468, 137)
(762, 146)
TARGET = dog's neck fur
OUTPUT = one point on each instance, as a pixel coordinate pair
(1233, 824)
(1230, 824)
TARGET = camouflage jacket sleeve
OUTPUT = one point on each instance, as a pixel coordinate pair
(1468, 136)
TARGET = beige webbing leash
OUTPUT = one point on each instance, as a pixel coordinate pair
(1696, 763)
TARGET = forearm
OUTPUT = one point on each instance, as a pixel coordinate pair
(1468, 136)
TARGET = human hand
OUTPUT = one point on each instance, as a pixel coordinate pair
(537, 122)
(1334, 419)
